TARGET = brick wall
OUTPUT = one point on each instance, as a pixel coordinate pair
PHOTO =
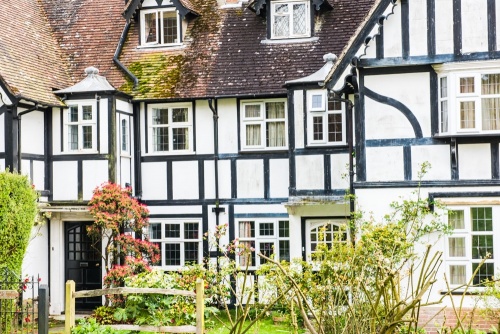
(431, 319)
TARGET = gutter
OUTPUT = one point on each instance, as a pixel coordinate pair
(119, 48)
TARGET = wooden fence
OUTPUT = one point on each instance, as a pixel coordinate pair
(71, 295)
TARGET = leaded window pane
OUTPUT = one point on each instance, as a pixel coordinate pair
(191, 252)
(191, 230)
(267, 249)
(73, 114)
(266, 229)
(172, 230)
(299, 19)
(317, 101)
(170, 27)
(160, 139)
(467, 85)
(73, 137)
(160, 116)
(172, 254)
(87, 137)
(444, 116)
(490, 109)
(482, 246)
(180, 137)
(444, 87)
(458, 274)
(467, 115)
(87, 113)
(281, 26)
(482, 219)
(155, 231)
(318, 127)
(284, 250)
(485, 272)
(334, 105)
(124, 135)
(334, 127)
(180, 115)
(284, 229)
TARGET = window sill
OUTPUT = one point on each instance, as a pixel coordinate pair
(466, 134)
(169, 153)
(474, 292)
(290, 40)
(79, 152)
(264, 150)
(330, 145)
(175, 46)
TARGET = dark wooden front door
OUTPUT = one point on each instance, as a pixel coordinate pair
(83, 263)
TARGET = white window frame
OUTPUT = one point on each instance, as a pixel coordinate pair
(257, 239)
(80, 123)
(290, 4)
(181, 240)
(262, 121)
(467, 233)
(125, 135)
(170, 126)
(315, 223)
(323, 112)
(453, 72)
(159, 41)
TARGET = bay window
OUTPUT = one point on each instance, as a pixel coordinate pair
(80, 128)
(170, 128)
(470, 243)
(160, 27)
(326, 120)
(263, 125)
(267, 236)
(180, 242)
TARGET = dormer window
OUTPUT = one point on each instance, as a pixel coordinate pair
(290, 19)
(161, 26)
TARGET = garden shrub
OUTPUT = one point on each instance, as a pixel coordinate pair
(91, 326)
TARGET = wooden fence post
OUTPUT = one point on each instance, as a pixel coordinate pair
(69, 308)
(200, 306)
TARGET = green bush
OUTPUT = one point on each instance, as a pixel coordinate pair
(90, 326)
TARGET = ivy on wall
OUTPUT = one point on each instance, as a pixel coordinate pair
(18, 209)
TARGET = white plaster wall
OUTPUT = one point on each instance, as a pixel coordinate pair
(384, 121)
(185, 180)
(384, 163)
(38, 176)
(56, 265)
(35, 260)
(2, 164)
(418, 27)
(224, 179)
(444, 26)
(439, 158)
(205, 128)
(250, 178)
(310, 172)
(124, 106)
(94, 174)
(125, 171)
(25, 168)
(103, 126)
(56, 131)
(298, 117)
(174, 210)
(2, 132)
(258, 209)
(279, 177)
(474, 161)
(228, 126)
(223, 219)
(154, 180)
(371, 48)
(474, 26)
(65, 185)
(340, 171)
(32, 132)
(392, 34)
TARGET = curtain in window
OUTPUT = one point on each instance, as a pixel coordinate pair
(150, 27)
(467, 115)
(275, 131)
(253, 135)
(457, 274)
(490, 106)
(456, 247)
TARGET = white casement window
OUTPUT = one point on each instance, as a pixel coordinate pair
(170, 128)
(326, 120)
(469, 98)
(180, 241)
(263, 125)
(290, 19)
(80, 126)
(324, 231)
(160, 27)
(124, 135)
(472, 240)
(270, 237)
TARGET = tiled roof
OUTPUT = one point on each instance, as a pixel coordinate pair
(30, 60)
(88, 32)
(245, 65)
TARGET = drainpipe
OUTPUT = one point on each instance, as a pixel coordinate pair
(217, 210)
(119, 48)
(18, 117)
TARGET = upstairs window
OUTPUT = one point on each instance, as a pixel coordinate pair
(80, 128)
(326, 120)
(170, 129)
(290, 19)
(160, 27)
(263, 125)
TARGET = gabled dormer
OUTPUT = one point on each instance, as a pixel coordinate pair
(289, 19)
(162, 23)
